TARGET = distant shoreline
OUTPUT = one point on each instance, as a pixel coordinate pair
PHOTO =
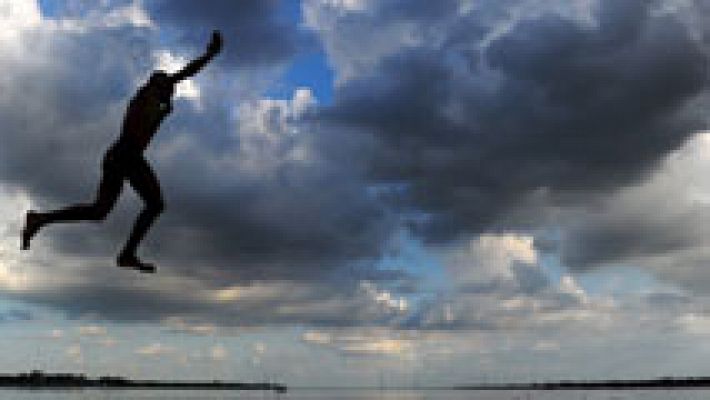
(629, 384)
(41, 380)
(659, 383)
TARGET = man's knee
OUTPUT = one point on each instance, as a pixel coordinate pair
(156, 207)
(98, 211)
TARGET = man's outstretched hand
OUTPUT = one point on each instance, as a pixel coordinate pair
(215, 45)
(197, 64)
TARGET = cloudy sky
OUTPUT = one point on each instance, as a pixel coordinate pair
(408, 191)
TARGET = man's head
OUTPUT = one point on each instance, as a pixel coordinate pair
(160, 82)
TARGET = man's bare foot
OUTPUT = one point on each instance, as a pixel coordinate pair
(131, 261)
(32, 225)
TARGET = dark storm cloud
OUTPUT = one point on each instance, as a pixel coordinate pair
(607, 240)
(469, 132)
(270, 230)
(62, 104)
(64, 107)
(301, 221)
(668, 301)
(61, 110)
(661, 223)
(552, 108)
(418, 10)
(114, 296)
(259, 32)
(308, 221)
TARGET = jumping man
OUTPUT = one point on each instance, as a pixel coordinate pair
(124, 161)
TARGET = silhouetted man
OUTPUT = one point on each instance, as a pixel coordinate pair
(124, 161)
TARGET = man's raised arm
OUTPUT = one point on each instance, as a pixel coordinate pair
(196, 65)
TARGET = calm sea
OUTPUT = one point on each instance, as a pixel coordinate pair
(303, 394)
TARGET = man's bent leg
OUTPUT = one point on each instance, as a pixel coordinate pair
(106, 196)
(145, 183)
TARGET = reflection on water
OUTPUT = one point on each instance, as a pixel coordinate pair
(297, 394)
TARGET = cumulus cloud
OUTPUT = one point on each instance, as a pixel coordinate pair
(482, 129)
(502, 134)
(660, 224)
(499, 298)
(258, 34)
(250, 198)
(457, 121)
(500, 284)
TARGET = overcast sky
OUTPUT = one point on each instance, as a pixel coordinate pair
(414, 191)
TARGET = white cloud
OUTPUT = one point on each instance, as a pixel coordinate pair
(259, 291)
(661, 224)
(498, 282)
(259, 348)
(489, 257)
(74, 353)
(16, 15)
(218, 353)
(188, 89)
(376, 346)
(354, 50)
(568, 285)
(92, 330)
(695, 324)
(384, 298)
(317, 337)
(270, 135)
(131, 14)
(359, 341)
(155, 349)
(18, 272)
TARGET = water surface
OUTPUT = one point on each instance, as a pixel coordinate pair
(353, 394)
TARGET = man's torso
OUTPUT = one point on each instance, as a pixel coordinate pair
(144, 114)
